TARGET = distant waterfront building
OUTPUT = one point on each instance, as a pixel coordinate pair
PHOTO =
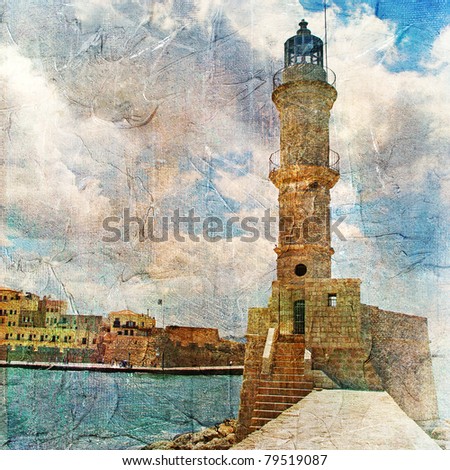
(9, 306)
(128, 323)
(55, 312)
(315, 332)
(30, 314)
(91, 323)
(28, 320)
(41, 330)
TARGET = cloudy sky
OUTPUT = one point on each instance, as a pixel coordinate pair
(154, 106)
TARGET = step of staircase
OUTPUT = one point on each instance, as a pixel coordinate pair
(298, 373)
(272, 414)
(288, 363)
(287, 378)
(275, 406)
(286, 392)
(298, 383)
(258, 423)
(289, 349)
(288, 400)
(287, 370)
(285, 385)
(291, 339)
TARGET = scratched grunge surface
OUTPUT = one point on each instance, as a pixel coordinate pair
(153, 106)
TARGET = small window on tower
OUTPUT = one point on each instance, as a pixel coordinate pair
(332, 300)
(300, 270)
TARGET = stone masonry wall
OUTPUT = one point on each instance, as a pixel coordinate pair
(349, 368)
(259, 321)
(333, 327)
(160, 349)
(334, 335)
(401, 356)
(252, 371)
(186, 335)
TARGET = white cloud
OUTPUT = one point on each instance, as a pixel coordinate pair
(350, 231)
(249, 189)
(96, 12)
(264, 25)
(38, 180)
(440, 52)
(4, 241)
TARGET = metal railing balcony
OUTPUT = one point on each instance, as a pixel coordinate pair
(274, 161)
(333, 161)
(304, 71)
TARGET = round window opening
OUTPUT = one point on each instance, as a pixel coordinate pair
(300, 270)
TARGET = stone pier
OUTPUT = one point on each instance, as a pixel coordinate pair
(341, 420)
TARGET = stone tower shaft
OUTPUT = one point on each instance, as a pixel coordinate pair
(306, 172)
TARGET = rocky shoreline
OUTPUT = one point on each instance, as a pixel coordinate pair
(441, 434)
(219, 437)
(223, 436)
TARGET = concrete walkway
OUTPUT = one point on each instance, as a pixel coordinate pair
(344, 420)
(201, 370)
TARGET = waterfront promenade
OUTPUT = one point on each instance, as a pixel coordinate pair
(210, 370)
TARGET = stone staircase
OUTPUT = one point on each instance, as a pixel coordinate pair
(285, 385)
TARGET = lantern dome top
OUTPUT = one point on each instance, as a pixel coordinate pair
(303, 28)
(303, 48)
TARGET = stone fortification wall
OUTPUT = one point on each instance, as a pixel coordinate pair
(401, 357)
(172, 347)
(185, 335)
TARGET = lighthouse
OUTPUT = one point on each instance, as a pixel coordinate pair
(315, 332)
(307, 168)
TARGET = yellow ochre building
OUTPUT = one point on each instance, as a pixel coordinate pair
(28, 320)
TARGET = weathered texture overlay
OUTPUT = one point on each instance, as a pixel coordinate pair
(134, 179)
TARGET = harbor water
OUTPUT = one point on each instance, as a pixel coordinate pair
(93, 410)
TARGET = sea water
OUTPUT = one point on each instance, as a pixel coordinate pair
(42, 409)
(93, 410)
